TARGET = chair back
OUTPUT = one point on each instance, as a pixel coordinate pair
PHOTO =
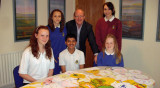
(17, 79)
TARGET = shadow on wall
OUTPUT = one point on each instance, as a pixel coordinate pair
(133, 58)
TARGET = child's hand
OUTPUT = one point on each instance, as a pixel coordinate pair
(55, 60)
(95, 59)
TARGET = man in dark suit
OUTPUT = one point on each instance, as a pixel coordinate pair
(82, 30)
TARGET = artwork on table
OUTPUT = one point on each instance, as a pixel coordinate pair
(25, 18)
(103, 77)
(132, 17)
(158, 24)
(57, 4)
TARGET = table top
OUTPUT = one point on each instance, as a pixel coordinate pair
(96, 77)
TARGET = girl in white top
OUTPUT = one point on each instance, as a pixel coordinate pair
(37, 60)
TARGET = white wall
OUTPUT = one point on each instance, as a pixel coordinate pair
(144, 54)
(7, 43)
(7, 29)
(138, 54)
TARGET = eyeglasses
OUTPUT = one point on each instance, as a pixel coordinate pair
(79, 16)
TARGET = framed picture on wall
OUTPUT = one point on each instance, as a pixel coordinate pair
(0, 3)
(57, 4)
(132, 17)
(158, 24)
(25, 18)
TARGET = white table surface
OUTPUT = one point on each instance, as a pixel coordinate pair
(119, 74)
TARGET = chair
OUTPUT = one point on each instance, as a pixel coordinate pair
(17, 79)
(94, 64)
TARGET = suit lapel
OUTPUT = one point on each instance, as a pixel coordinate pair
(75, 28)
(82, 32)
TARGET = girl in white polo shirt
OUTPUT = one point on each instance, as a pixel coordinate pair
(37, 60)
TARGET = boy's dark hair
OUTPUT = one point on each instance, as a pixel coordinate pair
(70, 36)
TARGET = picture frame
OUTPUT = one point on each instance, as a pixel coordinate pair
(0, 3)
(158, 24)
(25, 20)
(56, 4)
(132, 18)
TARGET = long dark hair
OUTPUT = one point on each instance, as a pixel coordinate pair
(34, 44)
(110, 6)
(50, 21)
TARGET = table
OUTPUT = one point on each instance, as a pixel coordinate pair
(97, 77)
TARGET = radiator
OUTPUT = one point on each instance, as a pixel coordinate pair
(8, 62)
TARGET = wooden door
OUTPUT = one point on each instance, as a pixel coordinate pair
(93, 11)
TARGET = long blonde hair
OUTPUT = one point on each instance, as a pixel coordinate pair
(117, 53)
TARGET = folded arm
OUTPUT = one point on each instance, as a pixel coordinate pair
(27, 77)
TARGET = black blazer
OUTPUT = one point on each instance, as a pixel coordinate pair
(86, 32)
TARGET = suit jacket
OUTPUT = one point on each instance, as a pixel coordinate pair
(86, 32)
